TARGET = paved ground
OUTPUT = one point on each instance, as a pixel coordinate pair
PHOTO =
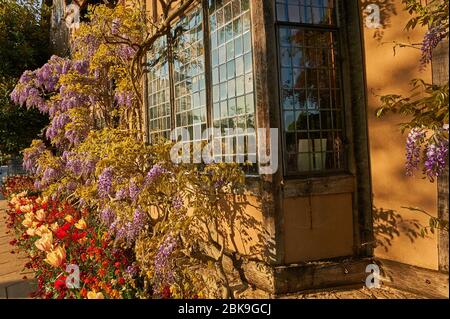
(356, 293)
(12, 284)
(338, 293)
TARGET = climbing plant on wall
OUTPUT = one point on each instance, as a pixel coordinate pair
(425, 111)
(175, 218)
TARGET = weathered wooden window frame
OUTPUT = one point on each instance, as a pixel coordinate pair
(336, 29)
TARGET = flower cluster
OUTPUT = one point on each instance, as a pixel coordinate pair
(106, 198)
(105, 182)
(436, 158)
(164, 268)
(126, 231)
(434, 154)
(413, 149)
(54, 235)
(432, 38)
(155, 172)
(12, 183)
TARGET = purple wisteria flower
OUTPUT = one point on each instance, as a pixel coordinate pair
(33, 85)
(81, 66)
(89, 167)
(115, 25)
(71, 186)
(30, 157)
(121, 232)
(79, 167)
(436, 158)
(108, 216)
(413, 149)
(125, 52)
(129, 230)
(105, 182)
(177, 203)
(48, 75)
(433, 36)
(57, 125)
(122, 194)
(155, 172)
(132, 270)
(124, 99)
(219, 183)
(133, 190)
(75, 165)
(135, 227)
(164, 274)
(50, 174)
(37, 184)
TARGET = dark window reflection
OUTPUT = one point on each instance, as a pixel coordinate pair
(306, 11)
(310, 99)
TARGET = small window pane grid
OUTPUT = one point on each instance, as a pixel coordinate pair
(189, 77)
(306, 11)
(232, 77)
(310, 96)
(159, 111)
(233, 104)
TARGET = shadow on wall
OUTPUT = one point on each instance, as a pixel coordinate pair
(389, 224)
(245, 229)
(387, 10)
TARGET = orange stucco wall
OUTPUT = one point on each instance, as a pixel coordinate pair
(388, 74)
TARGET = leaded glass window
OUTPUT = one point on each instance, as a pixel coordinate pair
(310, 90)
(232, 74)
(189, 76)
(159, 111)
(306, 11)
(178, 92)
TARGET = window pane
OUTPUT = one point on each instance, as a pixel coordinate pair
(189, 75)
(310, 100)
(235, 72)
(306, 11)
(158, 93)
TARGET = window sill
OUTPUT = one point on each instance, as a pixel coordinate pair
(325, 185)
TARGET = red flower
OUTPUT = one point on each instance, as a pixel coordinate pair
(166, 292)
(121, 281)
(60, 283)
(78, 235)
(60, 233)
